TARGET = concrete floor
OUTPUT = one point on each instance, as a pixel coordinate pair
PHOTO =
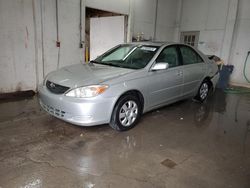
(182, 145)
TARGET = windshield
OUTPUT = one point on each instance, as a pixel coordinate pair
(128, 56)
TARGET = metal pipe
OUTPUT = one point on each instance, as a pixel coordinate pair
(57, 25)
(130, 21)
(42, 37)
(235, 31)
(35, 43)
(155, 24)
(58, 44)
(81, 42)
(177, 32)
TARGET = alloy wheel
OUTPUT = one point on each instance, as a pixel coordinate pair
(128, 113)
(204, 90)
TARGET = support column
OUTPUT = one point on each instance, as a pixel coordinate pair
(178, 21)
(229, 31)
(131, 15)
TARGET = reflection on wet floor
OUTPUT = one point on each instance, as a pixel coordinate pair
(185, 144)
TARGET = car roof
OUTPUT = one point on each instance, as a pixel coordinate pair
(152, 43)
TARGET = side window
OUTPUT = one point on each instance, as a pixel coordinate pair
(168, 55)
(189, 56)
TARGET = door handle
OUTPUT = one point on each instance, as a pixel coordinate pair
(180, 73)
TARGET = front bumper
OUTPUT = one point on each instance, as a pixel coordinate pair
(83, 112)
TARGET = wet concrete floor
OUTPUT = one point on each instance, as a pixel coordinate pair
(182, 145)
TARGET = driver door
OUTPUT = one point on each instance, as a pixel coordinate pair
(165, 86)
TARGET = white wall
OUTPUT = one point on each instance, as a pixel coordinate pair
(112, 34)
(241, 44)
(28, 41)
(209, 17)
(121, 6)
(145, 16)
(28, 32)
(17, 67)
(68, 34)
(143, 13)
(221, 32)
(166, 20)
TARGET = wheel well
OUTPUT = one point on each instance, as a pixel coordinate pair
(136, 93)
(209, 81)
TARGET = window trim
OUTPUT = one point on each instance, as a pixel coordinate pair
(182, 61)
(177, 53)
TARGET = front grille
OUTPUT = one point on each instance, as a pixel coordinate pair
(55, 88)
(53, 111)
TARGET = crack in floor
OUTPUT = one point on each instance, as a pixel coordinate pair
(59, 166)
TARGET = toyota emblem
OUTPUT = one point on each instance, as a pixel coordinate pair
(52, 85)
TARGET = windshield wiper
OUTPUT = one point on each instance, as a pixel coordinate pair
(121, 66)
(114, 65)
(93, 61)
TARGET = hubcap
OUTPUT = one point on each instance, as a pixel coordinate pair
(203, 91)
(128, 113)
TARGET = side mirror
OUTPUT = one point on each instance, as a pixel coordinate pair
(160, 66)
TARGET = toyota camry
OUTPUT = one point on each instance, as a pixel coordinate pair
(128, 80)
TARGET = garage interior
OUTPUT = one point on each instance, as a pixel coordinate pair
(185, 144)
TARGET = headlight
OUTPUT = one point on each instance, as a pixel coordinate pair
(88, 91)
(45, 78)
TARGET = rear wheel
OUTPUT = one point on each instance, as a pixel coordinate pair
(126, 113)
(203, 91)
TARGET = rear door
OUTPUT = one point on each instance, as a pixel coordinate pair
(194, 69)
(166, 85)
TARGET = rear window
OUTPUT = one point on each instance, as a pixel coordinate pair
(190, 56)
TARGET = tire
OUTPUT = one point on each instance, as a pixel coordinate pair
(126, 114)
(203, 91)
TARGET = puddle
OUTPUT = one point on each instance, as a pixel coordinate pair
(168, 163)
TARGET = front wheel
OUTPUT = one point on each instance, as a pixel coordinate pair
(203, 91)
(126, 113)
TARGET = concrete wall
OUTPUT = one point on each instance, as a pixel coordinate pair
(209, 17)
(167, 19)
(17, 67)
(121, 6)
(112, 34)
(68, 34)
(224, 30)
(145, 17)
(241, 44)
(221, 32)
(28, 38)
(28, 32)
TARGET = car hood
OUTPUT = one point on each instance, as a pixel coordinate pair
(86, 74)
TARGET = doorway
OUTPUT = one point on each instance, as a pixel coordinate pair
(103, 30)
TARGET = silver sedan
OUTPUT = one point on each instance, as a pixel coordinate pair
(127, 81)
